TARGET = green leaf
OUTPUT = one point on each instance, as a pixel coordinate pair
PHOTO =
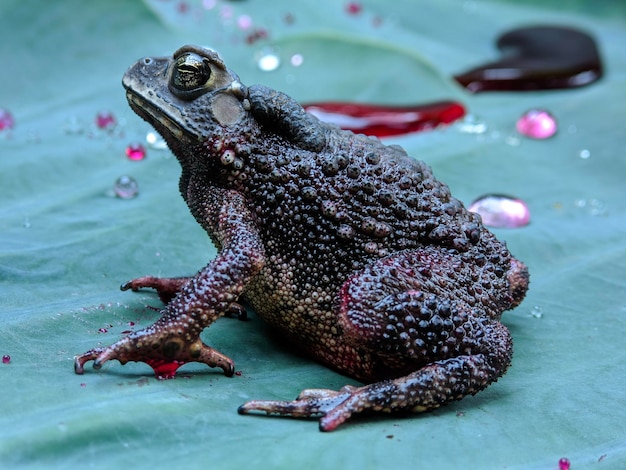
(66, 244)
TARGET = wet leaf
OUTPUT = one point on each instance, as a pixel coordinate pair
(66, 243)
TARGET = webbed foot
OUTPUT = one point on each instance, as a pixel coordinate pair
(332, 407)
(161, 350)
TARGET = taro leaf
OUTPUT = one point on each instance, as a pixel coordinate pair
(65, 243)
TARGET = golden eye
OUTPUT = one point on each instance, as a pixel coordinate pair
(190, 74)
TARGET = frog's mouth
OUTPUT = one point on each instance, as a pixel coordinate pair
(159, 117)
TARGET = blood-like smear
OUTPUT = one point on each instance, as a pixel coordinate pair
(385, 121)
(538, 58)
(164, 370)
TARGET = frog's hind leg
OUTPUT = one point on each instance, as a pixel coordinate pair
(431, 349)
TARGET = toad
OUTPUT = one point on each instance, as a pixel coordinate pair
(349, 248)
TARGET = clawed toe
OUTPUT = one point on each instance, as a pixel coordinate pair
(164, 356)
(329, 405)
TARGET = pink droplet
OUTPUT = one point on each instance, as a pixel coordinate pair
(6, 359)
(501, 211)
(136, 152)
(105, 120)
(537, 124)
(564, 464)
(131, 323)
(354, 8)
(102, 330)
(83, 385)
(6, 120)
(244, 21)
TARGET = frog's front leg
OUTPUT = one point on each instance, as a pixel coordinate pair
(167, 287)
(174, 339)
(397, 311)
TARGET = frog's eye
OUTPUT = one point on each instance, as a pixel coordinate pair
(190, 75)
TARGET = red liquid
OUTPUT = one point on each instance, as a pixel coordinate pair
(164, 370)
(538, 58)
(385, 121)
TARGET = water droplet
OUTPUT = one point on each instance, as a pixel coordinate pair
(472, 124)
(584, 154)
(501, 211)
(6, 359)
(244, 21)
(102, 330)
(73, 126)
(513, 141)
(105, 120)
(83, 385)
(226, 12)
(267, 59)
(354, 8)
(155, 141)
(537, 124)
(564, 464)
(536, 312)
(26, 223)
(136, 152)
(297, 60)
(126, 187)
(209, 4)
(6, 120)
(593, 207)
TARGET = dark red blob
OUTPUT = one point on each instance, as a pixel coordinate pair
(538, 58)
(385, 121)
(164, 370)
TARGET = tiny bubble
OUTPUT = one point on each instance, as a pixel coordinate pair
(536, 312)
(584, 154)
(244, 21)
(513, 141)
(472, 124)
(297, 60)
(126, 187)
(73, 126)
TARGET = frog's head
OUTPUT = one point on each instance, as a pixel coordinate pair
(188, 98)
